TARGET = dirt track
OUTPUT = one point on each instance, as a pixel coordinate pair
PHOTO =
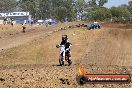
(34, 62)
(12, 36)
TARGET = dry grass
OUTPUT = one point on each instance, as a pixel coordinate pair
(40, 50)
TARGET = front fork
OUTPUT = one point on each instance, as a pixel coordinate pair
(62, 58)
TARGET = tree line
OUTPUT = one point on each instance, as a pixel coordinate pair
(72, 9)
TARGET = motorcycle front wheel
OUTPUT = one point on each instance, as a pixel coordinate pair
(61, 62)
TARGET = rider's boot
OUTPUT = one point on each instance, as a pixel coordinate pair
(63, 62)
(69, 61)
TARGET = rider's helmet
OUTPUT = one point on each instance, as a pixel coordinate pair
(64, 37)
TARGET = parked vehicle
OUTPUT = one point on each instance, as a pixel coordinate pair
(94, 25)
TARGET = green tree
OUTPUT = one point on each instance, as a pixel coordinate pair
(42, 9)
(121, 13)
(102, 14)
(8, 5)
(64, 9)
(98, 13)
(80, 7)
(99, 3)
(92, 3)
(130, 3)
(28, 5)
(102, 2)
(130, 7)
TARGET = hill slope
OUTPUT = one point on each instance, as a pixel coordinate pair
(34, 64)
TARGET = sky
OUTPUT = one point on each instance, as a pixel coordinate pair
(111, 3)
(116, 3)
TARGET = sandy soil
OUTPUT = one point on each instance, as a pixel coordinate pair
(12, 36)
(32, 60)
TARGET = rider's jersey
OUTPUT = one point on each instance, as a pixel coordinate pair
(24, 25)
(63, 42)
(67, 44)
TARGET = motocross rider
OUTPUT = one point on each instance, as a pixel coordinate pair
(67, 44)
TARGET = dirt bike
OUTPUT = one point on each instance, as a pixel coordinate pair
(65, 57)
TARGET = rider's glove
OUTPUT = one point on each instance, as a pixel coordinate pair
(57, 46)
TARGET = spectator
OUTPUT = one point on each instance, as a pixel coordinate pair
(24, 27)
(12, 24)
